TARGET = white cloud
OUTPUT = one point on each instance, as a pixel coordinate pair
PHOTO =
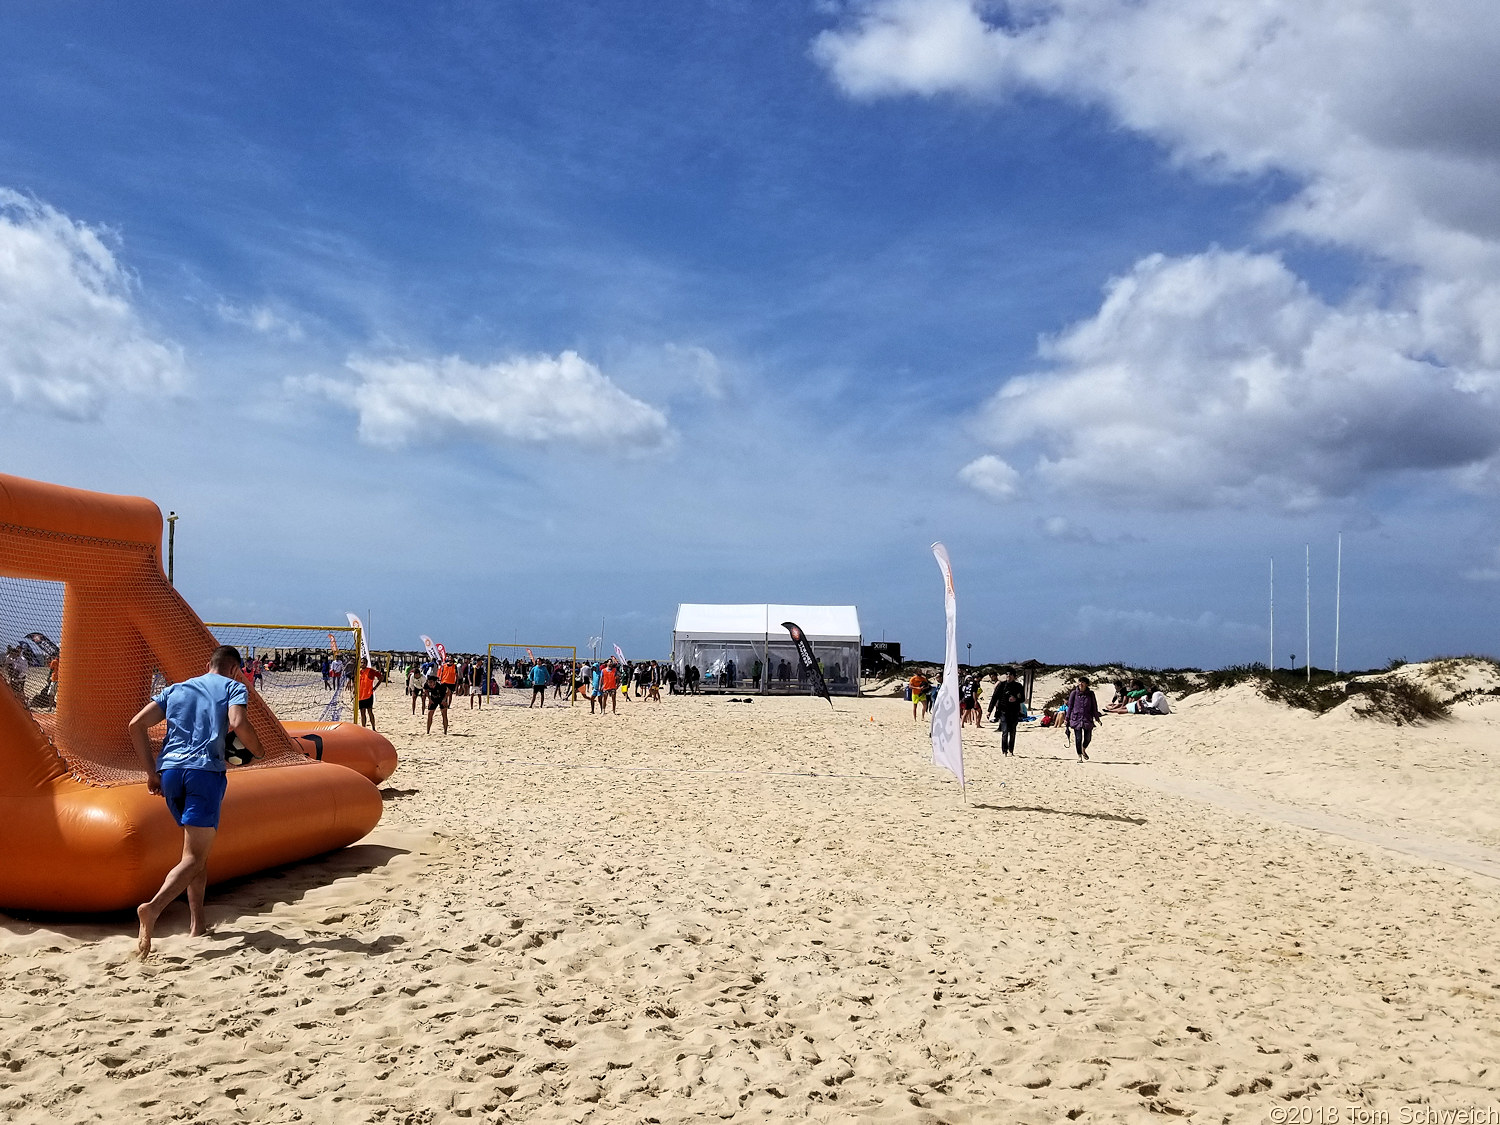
(699, 367)
(533, 400)
(1385, 111)
(992, 477)
(261, 318)
(1221, 377)
(70, 335)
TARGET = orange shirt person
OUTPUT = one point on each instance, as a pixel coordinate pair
(369, 680)
(609, 683)
(918, 685)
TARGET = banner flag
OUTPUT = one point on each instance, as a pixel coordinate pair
(947, 735)
(429, 646)
(364, 640)
(808, 661)
(44, 645)
(442, 653)
(333, 643)
(620, 654)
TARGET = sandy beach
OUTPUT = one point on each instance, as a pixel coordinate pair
(780, 910)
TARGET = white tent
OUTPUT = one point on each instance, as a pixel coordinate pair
(745, 648)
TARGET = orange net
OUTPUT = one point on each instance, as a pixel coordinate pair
(91, 630)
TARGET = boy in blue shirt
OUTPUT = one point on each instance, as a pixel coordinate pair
(190, 774)
(540, 678)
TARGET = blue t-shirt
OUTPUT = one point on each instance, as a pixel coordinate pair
(539, 675)
(197, 719)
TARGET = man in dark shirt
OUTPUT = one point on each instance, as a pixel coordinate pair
(436, 694)
(1006, 705)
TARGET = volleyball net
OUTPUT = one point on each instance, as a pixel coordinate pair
(305, 673)
(509, 672)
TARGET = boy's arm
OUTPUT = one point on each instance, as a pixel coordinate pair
(239, 722)
(140, 737)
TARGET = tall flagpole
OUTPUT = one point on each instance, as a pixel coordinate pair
(1307, 657)
(1338, 601)
(1272, 665)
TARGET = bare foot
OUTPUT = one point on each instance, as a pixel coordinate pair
(199, 928)
(148, 923)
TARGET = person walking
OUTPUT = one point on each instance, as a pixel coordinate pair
(414, 684)
(917, 689)
(1006, 707)
(609, 682)
(191, 774)
(1083, 713)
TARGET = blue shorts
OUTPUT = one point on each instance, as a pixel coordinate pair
(194, 796)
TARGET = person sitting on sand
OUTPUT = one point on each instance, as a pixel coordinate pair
(1155, 704)
(1123, 696)
(1135, 698)
(190, 772)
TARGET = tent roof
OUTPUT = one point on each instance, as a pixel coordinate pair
(817, 621)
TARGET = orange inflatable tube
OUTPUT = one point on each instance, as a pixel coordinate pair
(78, 830)
(346, 744)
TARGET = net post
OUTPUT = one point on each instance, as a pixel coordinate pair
(359, 656)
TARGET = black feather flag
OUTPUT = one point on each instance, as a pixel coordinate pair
(807, 660)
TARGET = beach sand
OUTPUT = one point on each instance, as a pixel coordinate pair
(780, 910)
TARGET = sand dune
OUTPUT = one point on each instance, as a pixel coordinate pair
(780, 910)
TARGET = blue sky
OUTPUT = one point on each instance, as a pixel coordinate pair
(497, 319)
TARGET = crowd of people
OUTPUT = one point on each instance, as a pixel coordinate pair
(1077, 715)
(433, 685)
(19, 659)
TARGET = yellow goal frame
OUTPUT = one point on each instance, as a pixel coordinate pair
(351, 681)
(359, 634)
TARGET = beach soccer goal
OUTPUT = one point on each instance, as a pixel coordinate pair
(508, 672)
(305, 673)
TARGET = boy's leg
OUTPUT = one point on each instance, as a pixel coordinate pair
(196, 892)
(196, 844)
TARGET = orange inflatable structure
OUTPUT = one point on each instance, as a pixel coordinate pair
(78, 830)
(346, 744)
